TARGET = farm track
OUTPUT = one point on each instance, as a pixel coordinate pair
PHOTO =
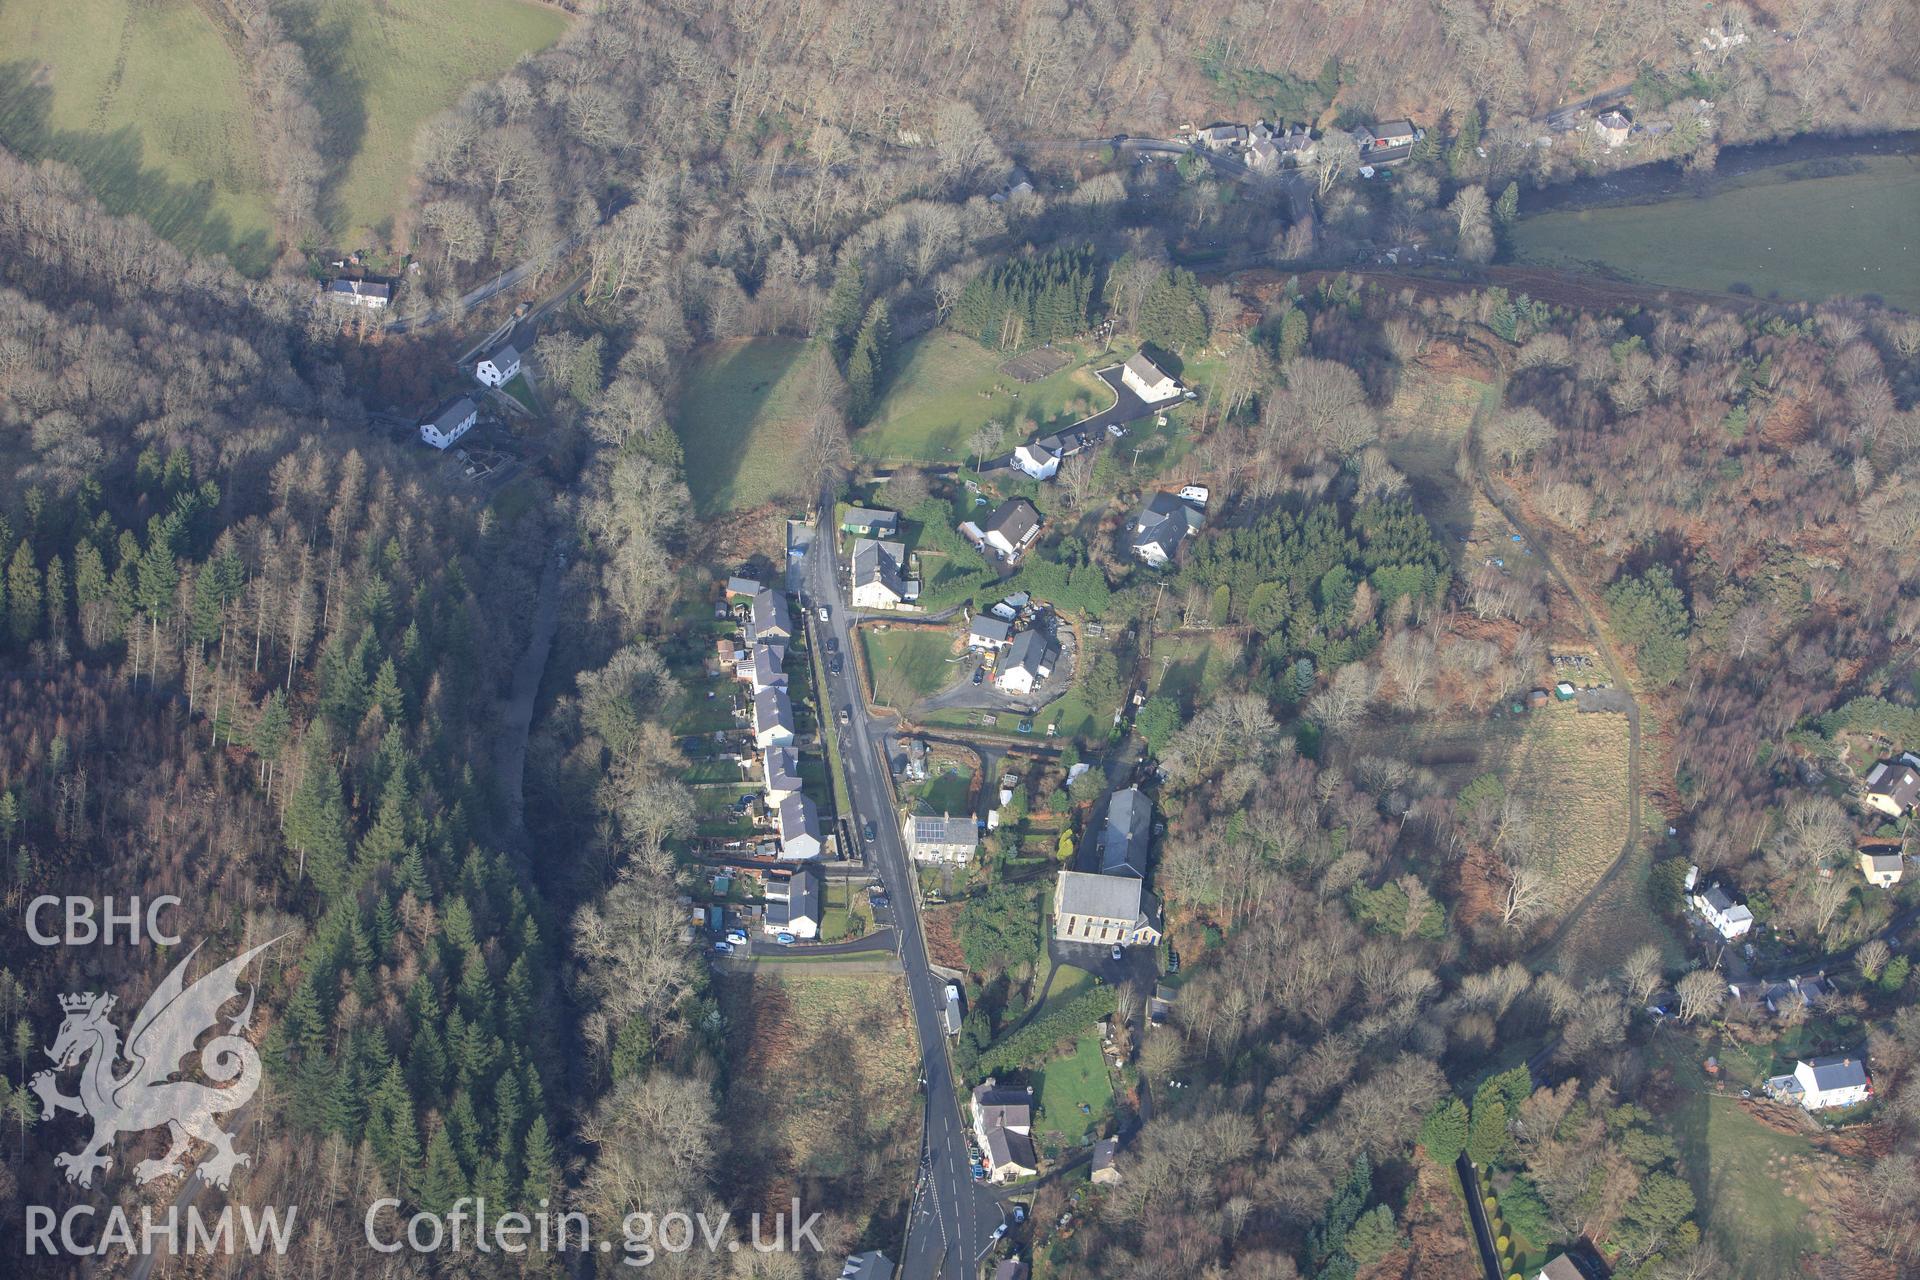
(1503, 500)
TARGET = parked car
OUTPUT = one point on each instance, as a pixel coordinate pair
(882, 901)
(998, 1231)
(785, 939)
(725, 948)
(738, 937)
(1118, 954)
(834, 665)
(867, 830)
(846, 715)
(979, 674)
(833, 644)
(823, 613)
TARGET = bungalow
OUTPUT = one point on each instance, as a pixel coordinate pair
(1893, 786)
(1029, 660)
(360, 293)
(500, 367)
(878, 582)
(1039, 462)
(770, 618)
(1820, 1083)
(1729, 918)
(1107, 910)
(793, 903)
(1003, 1125)
(871, 522)
(799, 829)
(1104, 1170)
(1386, 137)
(872, 1265)
(772, 719)
(1013, 525)
(1162, 524)
(1882, 867)
(780, 771)
(1147, 380)
(449, 422)
(940, 838)
(987, 633)
(1128, 833)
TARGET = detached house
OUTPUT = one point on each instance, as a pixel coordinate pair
(1161, 525)
(1893, 786)
(1819, 1083)
(1037, 461)
(878, 582)
(1003, 1126)
(940, 838)
(1029, 660)
(770, 618)
(1105, 910)
(500, 367)
(793, 904)
(449, 422)
(1012, 527)
(360, 293)
(1882, 866)
(1147, 380)
(1729, 919)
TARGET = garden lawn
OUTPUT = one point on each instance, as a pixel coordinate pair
(1190, 668)
(1066, 1085)
(945, 792)
(946, 385)
(905, 664)
(739, 422)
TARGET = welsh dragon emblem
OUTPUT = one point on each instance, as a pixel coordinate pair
(144, 1097)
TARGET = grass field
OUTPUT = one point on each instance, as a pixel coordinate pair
(149, 102)
(1075, 1095)
(1803, 237)
(740, 424)
(1190, 668)
(947, 385)
(821, 1071)
(1425, 423)
(150, 105)
(905, 664)
(381, 70)
(1759, 1190)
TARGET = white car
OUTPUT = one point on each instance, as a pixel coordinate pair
(823, 613)
(1118, 953)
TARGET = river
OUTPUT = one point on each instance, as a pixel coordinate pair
(1807, 220)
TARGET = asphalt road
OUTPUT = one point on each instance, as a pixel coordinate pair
(953, 1218)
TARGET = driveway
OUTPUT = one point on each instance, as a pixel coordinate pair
(1126, 407)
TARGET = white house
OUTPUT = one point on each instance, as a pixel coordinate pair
(1037, 462)
(1003, 1126)
(793, 904)
(878, 582)
(987, 633)
(772, 719)
(450, 422)
(940, 837)
(1013, 524)
(1029, 660)
(799, 829)
(1729, 918)
(1147, 380)
(1162, 524)
(1881, 867)
(1817, 1084)
(500, 367)
(360, 293)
